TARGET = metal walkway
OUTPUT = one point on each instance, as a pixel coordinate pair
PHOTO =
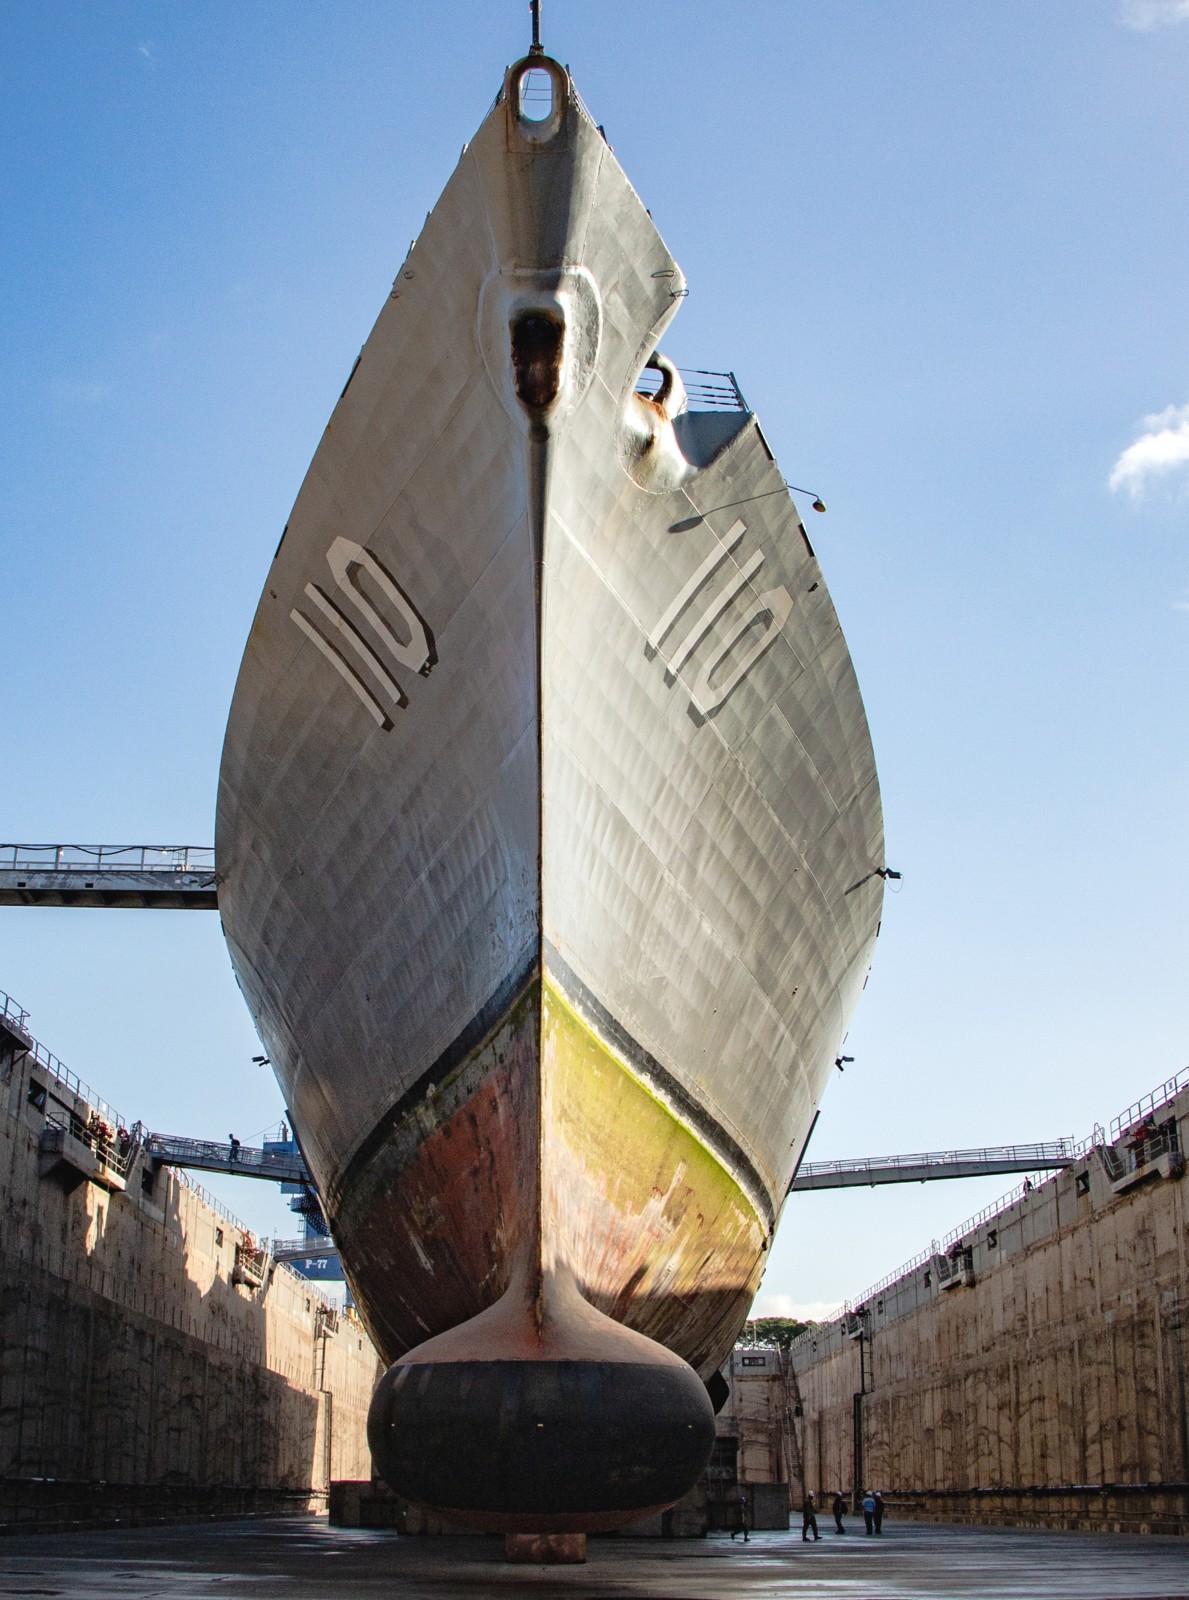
(929, 1165)
(240, 1160)
(249, 1161)
(287, 1167)
(303, 1249)
(140, 876)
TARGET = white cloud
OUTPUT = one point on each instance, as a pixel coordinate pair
(1162, 447)
(1144, 15)
(783, 1305)
(1180, 605)
(146, 48)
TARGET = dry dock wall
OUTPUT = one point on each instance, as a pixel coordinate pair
(1033, 1370)
(151, 1363)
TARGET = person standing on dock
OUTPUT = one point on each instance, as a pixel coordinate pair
(869, 1510)
(878, 1498)
(742, 1520)
(839, 1508)
(809, 1518)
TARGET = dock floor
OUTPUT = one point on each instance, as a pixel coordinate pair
(304, 1559)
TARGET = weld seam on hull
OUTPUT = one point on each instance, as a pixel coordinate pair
(701, 1122)
(484, 1022)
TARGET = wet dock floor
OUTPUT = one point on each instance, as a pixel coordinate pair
(304, 1559)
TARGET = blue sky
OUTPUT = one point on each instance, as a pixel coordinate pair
(945, 248)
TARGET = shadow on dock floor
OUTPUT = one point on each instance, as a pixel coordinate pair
(304, 1559)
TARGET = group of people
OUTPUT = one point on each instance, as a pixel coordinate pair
(873, 1509)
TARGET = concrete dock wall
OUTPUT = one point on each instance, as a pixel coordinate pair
(1034, 1369)
(153, 1363)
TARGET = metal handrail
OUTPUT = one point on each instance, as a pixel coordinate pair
(59, 1070)
(94, 858)
(705, 390)
(990, 1212)
(103, 1149)
(250, 1161)
(1136, 1113)
(892, 1277)
(70, 1080)
(12, 1011)
(1055, 1152)
(209, 1199)
(302, 1249)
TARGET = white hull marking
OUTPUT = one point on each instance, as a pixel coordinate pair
(775, 604)
(347, 672)
(347, 561)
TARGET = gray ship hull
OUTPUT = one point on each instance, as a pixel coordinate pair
(549, 832)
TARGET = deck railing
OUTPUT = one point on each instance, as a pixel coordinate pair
(706, 391)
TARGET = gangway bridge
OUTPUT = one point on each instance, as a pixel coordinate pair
(929, 1165)
(287, 1166)
(133, 876)
(284, 1166)
(239, 1160)
(303, 1249)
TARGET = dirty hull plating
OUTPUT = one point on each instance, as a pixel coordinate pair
(670, 1243)
(548, 830)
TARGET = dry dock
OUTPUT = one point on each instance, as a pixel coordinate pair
(154, 1363)
(1033, 1367)
(306, 1560)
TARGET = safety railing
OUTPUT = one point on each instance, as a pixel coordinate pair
(1022, 1157)
(112, 1148)
(706, 391)
(71, 1081)
(990, 1212)
(1138, 1113)
(58, 1068)
(251, 1263)
(1141, 1146)
(209, 1155)
(11, 1012)
(208, 1199)
(886, 1282)
(303, 1249)
(106, 858)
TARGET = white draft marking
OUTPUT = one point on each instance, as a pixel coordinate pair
(706, 696)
